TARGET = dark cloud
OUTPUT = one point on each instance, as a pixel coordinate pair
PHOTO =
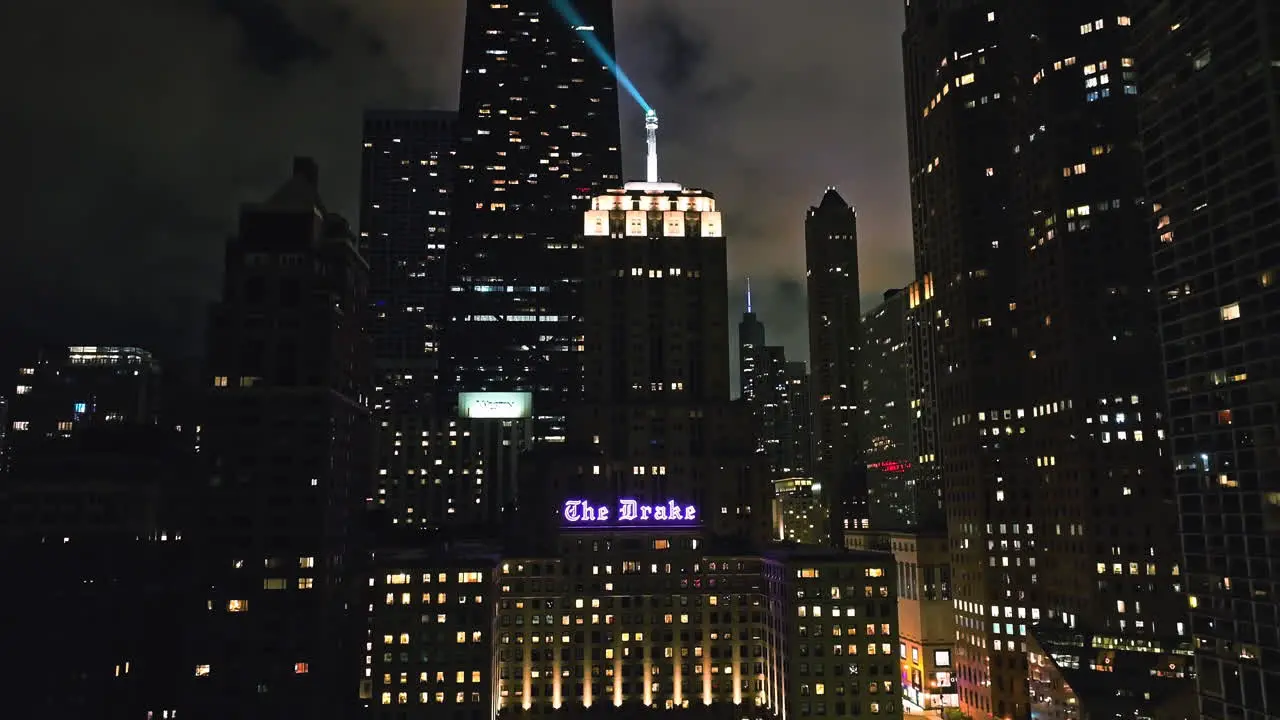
(134, 129)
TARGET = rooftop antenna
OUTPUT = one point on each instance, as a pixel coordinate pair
(651, 131)
(748, 293)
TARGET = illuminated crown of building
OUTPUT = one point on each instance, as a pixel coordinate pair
(626, 212)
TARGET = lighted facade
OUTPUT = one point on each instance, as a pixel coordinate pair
(799, 514)
(926, 624)
(655, 617)
(429, 648)
(669, 619)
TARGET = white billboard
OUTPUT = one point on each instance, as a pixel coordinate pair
(495, 405)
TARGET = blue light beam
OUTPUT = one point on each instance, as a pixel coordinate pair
(576, 21)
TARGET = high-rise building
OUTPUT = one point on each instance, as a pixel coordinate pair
(537, 139)
(798, 513)
(764, 389)
(922, 399)
(926, 618)
(886, 415)
(286, 438)
(798, 457)
(432, 631)
(1031, 255)
(91, 527)
(69, 388)
(1209, 127)
(405, 203)
(658, 421)
(835, 329)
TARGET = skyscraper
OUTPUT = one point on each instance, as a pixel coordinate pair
(886, 415)
(286, 438)
(835, 329)
(798, 457)
(751, 342)
(763, 382)
(405, 206)
(1030, 249)
(405, 203)
(538, 138)
(658, 422)
(1210, 122)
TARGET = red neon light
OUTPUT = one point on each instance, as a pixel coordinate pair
(890, 466)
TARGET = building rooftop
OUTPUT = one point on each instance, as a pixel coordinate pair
(796, 552)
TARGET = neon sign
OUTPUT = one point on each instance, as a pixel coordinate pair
(627, 512)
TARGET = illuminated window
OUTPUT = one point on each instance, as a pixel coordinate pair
(202, 671)
(237, 606)
(305, 583)
(275, 584)
(301, 668)
(306, 562)
(1230, 312)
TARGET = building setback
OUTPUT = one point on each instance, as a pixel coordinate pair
(286, 439)
(835, 330)
(1031, 256)
(537, 138)
(1209, 130)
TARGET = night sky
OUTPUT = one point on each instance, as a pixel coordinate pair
(133, 129)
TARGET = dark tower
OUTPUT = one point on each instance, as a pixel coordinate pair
(286, 436)
(886, 416)
(1034, 299)
(405, 208)
(538, 137)
(405, 205)
(1211, 120)
(751, 339)
(835, 336)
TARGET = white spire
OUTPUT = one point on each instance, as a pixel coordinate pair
(748, 293)
(651, 130)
